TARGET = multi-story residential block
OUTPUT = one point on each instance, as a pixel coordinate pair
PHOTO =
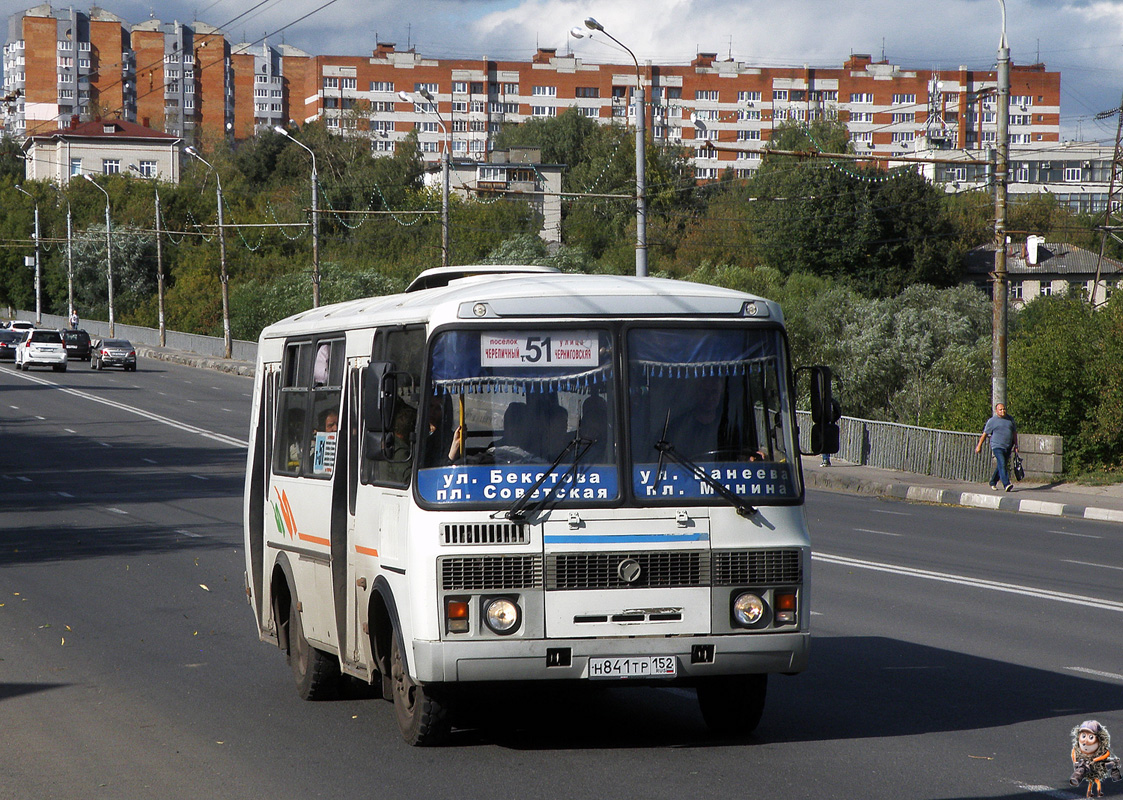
(188, 78)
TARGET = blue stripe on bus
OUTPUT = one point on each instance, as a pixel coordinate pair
(637, 537)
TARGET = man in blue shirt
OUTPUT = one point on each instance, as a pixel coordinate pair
(1003, 433)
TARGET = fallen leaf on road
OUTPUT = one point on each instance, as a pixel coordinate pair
(63, 643)
(984, 758)
(203, 586)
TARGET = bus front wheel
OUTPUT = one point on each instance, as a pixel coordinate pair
(732, 705)
(422, 718)
(316, 672)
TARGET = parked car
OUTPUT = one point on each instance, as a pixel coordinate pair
(113, 353)
(21, 325)
(41, 347)
(8, 342)
(77, 345)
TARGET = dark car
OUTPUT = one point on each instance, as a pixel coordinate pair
(77, 345)
(8, 341)
(113, 353)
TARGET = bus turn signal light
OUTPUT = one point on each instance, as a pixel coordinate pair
(785, 609)
(457, 615)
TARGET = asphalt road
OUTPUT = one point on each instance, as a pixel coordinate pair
(953, 650)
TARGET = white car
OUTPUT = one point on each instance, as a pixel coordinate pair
(41, 347)
(21, 325)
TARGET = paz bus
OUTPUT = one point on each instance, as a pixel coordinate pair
(509, 474)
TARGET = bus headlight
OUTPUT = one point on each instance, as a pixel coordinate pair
(748, 609)
(501, 615)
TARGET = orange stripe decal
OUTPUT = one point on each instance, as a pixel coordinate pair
(304, 537)
(366, 551)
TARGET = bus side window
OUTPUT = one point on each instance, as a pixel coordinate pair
(405, 349)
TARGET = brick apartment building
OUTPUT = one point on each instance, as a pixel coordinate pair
(190, 81)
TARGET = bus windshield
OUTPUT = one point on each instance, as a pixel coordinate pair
(715, 399)
(505, 406)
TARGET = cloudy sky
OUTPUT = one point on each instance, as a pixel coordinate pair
(1083, 39)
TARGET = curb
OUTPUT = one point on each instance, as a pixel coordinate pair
(952, 497)
(201, 362)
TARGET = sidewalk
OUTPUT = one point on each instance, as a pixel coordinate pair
(1055, 499)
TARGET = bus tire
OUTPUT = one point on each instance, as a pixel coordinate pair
(422, 718)
(316, 672)
(732, 705)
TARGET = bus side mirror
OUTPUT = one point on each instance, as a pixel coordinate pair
(825, 412)
(379, 395)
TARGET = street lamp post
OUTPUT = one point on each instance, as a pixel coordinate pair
(159, 263)
(641, 145)
(223, 278)
(38, 283)
(108, 251)
(315, 217)
(69, 252)
(1001, 300)
(406, 96)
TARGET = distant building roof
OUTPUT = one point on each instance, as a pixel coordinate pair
(1053, 258)
(103, 129)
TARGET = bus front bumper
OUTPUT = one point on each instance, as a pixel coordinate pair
(568, 659)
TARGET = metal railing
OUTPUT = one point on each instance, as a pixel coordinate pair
(890, 445)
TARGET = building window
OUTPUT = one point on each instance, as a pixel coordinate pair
(545, 91)
(747, 136)
(1073, 174)
(1021, 174)
(748, 97)
(779, 94)
(1046, 289)
(587, 91)
(904, 117)
(348, 83)
(748, 113)
(861, 116)
(329, 83)
(1015, 290)
(865, 98)
(431, 88)
(904, 99)
(110, 166)
(543, 111)
(588, 112)
(460, 87)
(706, 94)
(459, 107)
(75, 167)
(510, 88)
(147, 168)
(382, 86)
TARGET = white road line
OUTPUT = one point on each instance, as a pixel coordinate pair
(69, 431)
(199, 477)
(105, 444)
(117, 510)
(183, 426)
(1090, 564)
(23, 478)
(1078, 535)
(192, 535)
(15, 407)
(65, 494)
(1096, 672)
(1047, 791)
(897, 513)
(148, 461)
(882, 533)
(41, 418)
(963, 580)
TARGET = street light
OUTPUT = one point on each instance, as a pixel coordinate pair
(407, 97)
(641, 156)
(1001, 301)
(108, 251)
(38, 295)
(159, 261)
(69, 251)
(223, 279)
(315, 217)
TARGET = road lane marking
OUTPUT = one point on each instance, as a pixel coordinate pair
(183, 426)
(1079, 535)
(148, 461)
(897, 513)
(23, 478)
(882, 533)
(69, 431)
(199, 477)
(105, 444)
(1090, 564)
(40, 418)
(1096, 672)
(1048, 791)
(117, 510)
(189, 533)
(963, 580)
(65, 494)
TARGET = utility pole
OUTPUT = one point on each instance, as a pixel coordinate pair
(1001, 166)
(1114, 188)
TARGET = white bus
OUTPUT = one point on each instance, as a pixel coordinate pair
(512, 474)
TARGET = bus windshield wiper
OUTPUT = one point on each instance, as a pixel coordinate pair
(523, 507)
(667, 449)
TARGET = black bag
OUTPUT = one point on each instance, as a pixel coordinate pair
(1019, 470)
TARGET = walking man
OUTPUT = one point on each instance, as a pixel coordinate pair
(1003, 433)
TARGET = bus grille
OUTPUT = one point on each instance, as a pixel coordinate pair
(483, 533)
(756, 567)
(484, 573)
(602, 570)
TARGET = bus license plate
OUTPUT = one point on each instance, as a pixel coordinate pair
(633, 667)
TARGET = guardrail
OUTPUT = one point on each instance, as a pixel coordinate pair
(929, 451)
(240, 350)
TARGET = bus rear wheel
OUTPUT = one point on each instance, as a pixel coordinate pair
(422, 718)
(732, 705)
(316, 672)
